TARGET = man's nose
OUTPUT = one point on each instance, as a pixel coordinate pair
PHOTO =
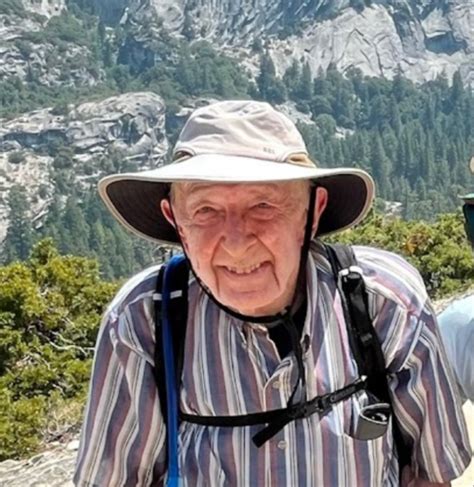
(237, 236)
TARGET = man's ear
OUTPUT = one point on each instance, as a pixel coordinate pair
(167, 211)
(320, 203)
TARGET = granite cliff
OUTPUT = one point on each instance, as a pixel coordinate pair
(418, 39)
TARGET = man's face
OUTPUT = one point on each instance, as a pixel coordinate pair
(244, 240)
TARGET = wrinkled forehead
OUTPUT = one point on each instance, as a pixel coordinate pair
(182, 191)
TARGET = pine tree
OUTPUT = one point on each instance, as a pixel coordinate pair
(266, 77)
(19, 238)
(381, 167)
(305, 85)
(394, 117)
(75, 228)
(270, 87)
(456, 92)
(291, 79)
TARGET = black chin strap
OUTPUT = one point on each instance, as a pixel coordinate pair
(300, 409)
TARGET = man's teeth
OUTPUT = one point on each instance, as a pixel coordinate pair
(247, 270)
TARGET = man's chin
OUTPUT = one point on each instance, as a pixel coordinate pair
(254, 308)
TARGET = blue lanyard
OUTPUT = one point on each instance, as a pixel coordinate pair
(170, 377)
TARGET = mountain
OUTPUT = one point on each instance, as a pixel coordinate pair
(91, 87)
(419, 39)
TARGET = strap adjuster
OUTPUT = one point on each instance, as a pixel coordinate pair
(353, 269)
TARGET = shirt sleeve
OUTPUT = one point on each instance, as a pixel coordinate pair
(123, 434)
(428, 407)
(457, 330)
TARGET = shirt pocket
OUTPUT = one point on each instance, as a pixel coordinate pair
(368, 441)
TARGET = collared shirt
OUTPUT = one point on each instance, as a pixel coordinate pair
(232, 367)
(456, 323)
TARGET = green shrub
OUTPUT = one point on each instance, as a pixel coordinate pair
(438, 250)
(12, 7)
(16, 157)
(50, 310)
(21, 424)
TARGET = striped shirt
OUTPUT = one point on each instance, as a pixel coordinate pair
(232, 367)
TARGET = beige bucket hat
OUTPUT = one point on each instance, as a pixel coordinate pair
(234, 142)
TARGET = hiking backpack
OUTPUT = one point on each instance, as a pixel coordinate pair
(170, 331)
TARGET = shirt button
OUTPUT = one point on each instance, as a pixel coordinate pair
(282, 445)
(276, 384)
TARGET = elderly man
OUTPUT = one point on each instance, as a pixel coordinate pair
(271, 389)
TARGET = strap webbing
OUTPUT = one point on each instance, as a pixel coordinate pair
(278, 418)
(363, 338)
(168, 366)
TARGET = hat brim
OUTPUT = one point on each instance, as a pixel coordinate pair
(134, 198)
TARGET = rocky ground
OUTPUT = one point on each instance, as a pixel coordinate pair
(54, 467)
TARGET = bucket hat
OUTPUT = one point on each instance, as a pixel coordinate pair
(234, 142)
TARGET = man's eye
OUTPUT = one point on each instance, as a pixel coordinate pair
(263, 206)
(205, 210)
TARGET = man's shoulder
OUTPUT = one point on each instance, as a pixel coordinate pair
(398, 302)
(393, 277)
(137, 288)
(459, 313)
(463, 306)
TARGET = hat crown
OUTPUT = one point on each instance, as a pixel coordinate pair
(240, 128)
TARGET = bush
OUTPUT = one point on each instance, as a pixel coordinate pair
(21, 424)
(16, 157)
(12, 7)
(439, 251)
(50, 309)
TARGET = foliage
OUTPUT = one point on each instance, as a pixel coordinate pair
(85, 227)
(62, 28)
(16, 157)
(50, 308)
(439, 251)
(15, 7)
(19, 236)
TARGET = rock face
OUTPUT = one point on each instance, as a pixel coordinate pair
(45, 8)
(132, 123)
(380, 43)
(23, 56)
(130, 127)
(419, 39)
(28, 59)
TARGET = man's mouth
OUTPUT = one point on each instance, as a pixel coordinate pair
(243, 270)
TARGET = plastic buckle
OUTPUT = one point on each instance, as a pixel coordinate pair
(324, 403)
(353, 269)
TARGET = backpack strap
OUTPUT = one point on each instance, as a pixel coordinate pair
(171, 319)
(170, 327)
(363, 338)
(276, 419)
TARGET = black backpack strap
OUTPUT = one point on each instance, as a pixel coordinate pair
(178, 311)
(277, 419)
(159, 368)
(363, 338)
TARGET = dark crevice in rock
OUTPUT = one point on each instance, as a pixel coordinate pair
(445, 43)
